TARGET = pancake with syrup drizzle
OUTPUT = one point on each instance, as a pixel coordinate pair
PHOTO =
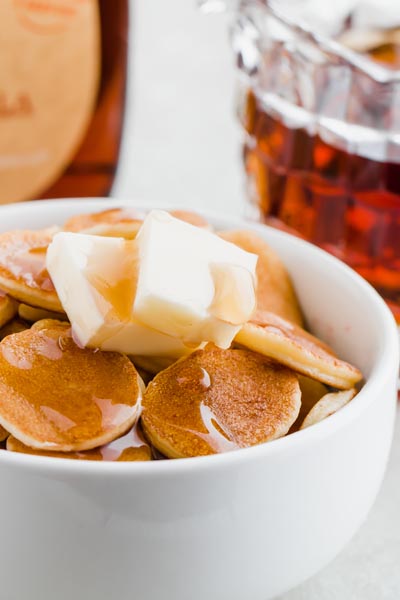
(122, 222)
(218, 400)
(23, 273)
(8, 309)
(114, 222)
(275, 291)
(128, 448)
(327, 406)
(55, 396)
(294, 347)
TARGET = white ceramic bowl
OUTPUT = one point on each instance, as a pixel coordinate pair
(246, 525)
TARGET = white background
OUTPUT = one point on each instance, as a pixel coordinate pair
(181, 146)
(182, 141)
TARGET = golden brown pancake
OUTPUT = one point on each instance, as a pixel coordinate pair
(327, 406)
(294, 347)
(217, 400)
(114, 222)
(311, 392)
(45, 324)
(122, 222)
(23, 273)
(33, 314)
(14, 326)
(59, 397)
(190, 217)
(275, 291)
(8, 309)
(130, 447)
(3, 434)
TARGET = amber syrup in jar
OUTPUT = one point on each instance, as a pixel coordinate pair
(345, 203)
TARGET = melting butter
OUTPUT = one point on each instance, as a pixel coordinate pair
(116, 281)
(234, 293)
(96, 279)
(172, 288)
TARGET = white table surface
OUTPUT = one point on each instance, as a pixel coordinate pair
(182, 146)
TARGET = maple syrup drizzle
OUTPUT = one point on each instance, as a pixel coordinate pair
(117, 288)
(217, 438)
(234, 293)
(113, 414)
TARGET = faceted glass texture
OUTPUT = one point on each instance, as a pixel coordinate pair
(321, 117)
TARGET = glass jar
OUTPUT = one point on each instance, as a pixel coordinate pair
(319, 102)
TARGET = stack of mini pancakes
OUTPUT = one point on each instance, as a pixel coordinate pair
(59, 399)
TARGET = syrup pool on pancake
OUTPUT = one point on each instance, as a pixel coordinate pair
(57, 396)
(23, 273)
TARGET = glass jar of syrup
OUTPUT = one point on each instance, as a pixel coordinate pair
(319, 101)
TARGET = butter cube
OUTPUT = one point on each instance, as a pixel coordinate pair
(192, 284)
(95, 278)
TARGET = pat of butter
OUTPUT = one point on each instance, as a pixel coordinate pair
(192, 284)
(95, 279)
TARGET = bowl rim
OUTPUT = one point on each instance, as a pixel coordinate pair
(382, 371)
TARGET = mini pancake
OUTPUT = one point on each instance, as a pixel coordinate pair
(311, 392)
(33, 314)
(59, 397)
(294, 347)
(23, 273)
(3, 434)
(191, 217)
(45, 324)
(275, 291)
(123, 222)
(130, 447)
(218, 400)
(8, 309)
(114, 222)
(14, 326)
(327, 406)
